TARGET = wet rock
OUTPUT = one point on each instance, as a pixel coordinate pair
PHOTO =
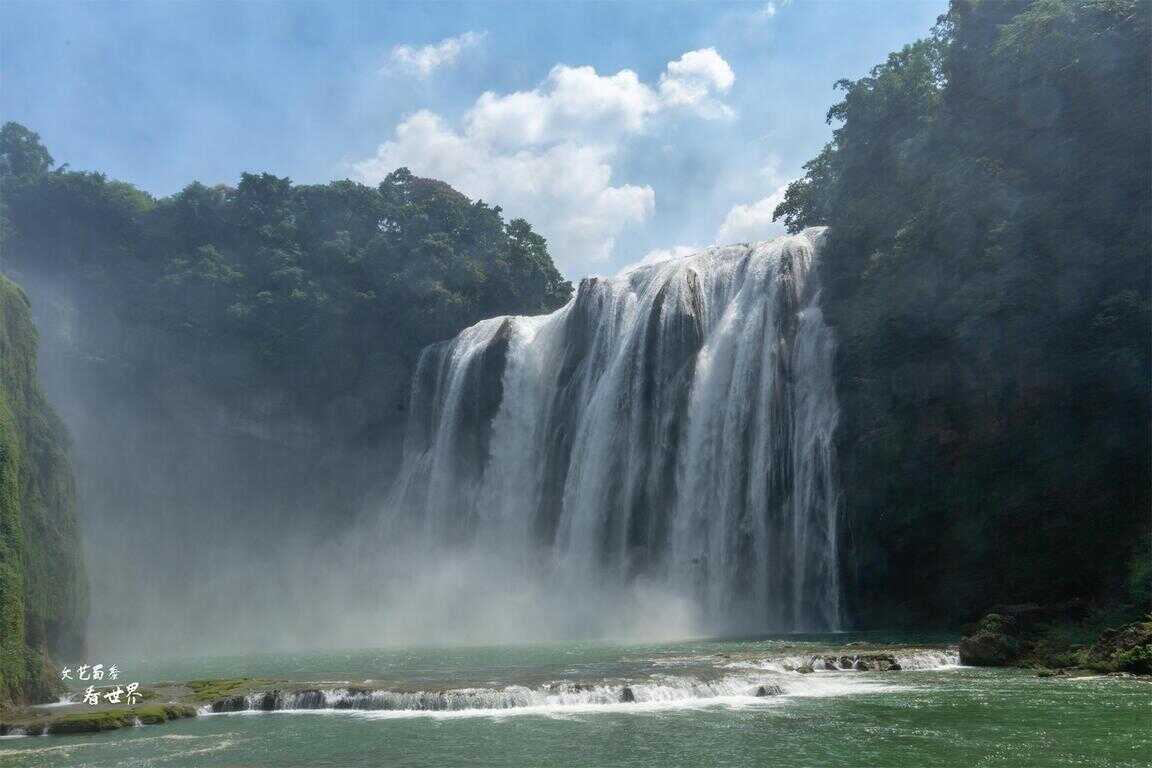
(309, 699)
(230, 704)
(269, 701)
(876, 662)
(23, 729)
(769, 690)
(805, 670)
(569, 687)
(627, 696)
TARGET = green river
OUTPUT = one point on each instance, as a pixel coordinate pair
(695, 704)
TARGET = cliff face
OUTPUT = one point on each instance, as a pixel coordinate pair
(987, 278)
(43, 593)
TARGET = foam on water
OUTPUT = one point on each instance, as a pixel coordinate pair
(929, 660)
(908, 660)
(763, 688)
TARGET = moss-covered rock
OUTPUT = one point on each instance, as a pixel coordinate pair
(111, 719)
(1126, 649)
(993, 644)
(43, 597)
(211, 690)
(31, 722)
(1053, 639)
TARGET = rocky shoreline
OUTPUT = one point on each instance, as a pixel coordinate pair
(1012, 637)
(1055, 638)
(174, 700)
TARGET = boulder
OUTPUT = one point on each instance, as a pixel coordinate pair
(1125, 649)
(879, 662)
(627, 696)
(993, 644)
(230, 704)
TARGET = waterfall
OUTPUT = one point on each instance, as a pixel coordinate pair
(672, 425)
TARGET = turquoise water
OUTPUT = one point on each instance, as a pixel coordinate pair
(692, 709)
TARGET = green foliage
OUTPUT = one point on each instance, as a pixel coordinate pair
(266, 330)
(988, 190)
(323, 294)
(22, 156)
(1138, 660)
(42, 589)
(1123, 649)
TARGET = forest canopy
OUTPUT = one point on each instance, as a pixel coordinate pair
(324, 292)
(988, 273)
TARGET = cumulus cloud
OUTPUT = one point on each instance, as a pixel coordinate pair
(694, 79)
(547, 154)
(574, 103)
(422, 62)
(751, 222)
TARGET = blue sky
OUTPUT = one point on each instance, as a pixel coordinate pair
(621, 131)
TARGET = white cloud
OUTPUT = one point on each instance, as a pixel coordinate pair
(424, 61)
(772, 8)
(574, 103)
(547, 154)
(564, 190)
(751, 222)
(694, 79)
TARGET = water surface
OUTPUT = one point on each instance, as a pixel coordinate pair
(695, 706)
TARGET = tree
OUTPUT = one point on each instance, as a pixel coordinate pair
(22, 157)
(989, 193)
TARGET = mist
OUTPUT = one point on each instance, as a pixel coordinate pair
(210, 531)
(219, 525)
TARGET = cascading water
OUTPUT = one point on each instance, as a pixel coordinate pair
(672, 425)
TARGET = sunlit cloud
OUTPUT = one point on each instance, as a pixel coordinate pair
(549, 154)
(422, 62)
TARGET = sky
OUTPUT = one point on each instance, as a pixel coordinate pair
(621, 131)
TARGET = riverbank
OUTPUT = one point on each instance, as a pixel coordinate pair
(564, 680)
(1057, 638)
(446, 680)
